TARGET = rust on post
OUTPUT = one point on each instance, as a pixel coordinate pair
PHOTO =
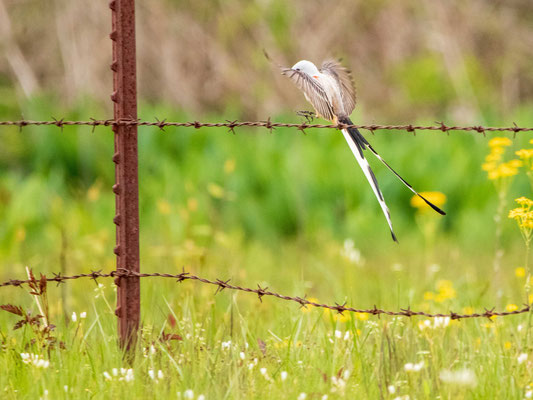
(126, 188)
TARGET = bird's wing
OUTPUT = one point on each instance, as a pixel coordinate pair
(314, 92)
(343, 77)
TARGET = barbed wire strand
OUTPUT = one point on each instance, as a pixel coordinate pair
(268, 124)
(261, 292)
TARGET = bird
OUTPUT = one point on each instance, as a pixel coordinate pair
(331, 92)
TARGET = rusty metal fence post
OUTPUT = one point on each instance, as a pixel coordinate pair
(126, 186)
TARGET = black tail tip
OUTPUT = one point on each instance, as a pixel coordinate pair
(441, 212)
(394, 237)
(433, 206)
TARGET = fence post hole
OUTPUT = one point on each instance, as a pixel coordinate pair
(126, 186)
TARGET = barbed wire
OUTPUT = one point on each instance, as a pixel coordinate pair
(268, 124)
(261, 292)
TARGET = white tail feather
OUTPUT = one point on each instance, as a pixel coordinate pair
(365, 166)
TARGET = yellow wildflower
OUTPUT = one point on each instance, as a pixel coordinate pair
(342, 318)
(437, 198)
(93, 194)
(307, 308)
(524, 154)
(215, 190)
(516, 213)
(499, 142)
(429, 296)
(524, 201)
(530, 298)
(520, 272)
(511, 307)
(468, 310)
(362, 316)
(524, 217)
(507, 345)
(489, 166)
(229, 166)
(164, 207)
(20, 234)
(192, 204)
(514, 163)
(445, 291)
(503, 171)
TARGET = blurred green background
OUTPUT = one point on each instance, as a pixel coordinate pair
(412, 61)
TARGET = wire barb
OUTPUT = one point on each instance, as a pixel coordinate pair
(261, 292)
(268, 124)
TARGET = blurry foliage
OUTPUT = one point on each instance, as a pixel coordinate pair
(449, 58)
(412, 62)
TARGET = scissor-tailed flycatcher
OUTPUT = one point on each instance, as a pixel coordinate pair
(331, 92)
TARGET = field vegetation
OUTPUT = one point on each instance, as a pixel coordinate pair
(284, 210)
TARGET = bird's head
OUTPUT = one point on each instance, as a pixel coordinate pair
(305, 66)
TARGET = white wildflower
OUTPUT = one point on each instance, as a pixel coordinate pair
(283, 375)
(338, 384)
(129, 375)
(188, 394)
(114, 371)
(226, 345)
(436, 323)
(391, 389)
(347, 336)
(302, 396)
(397, 267)
(529, 394)
(107, 376)
(338, 334)
(522, 358)
(351, 253)
(251, 366)
(519, 328)
(201, 397)
(83, 315)
(74, 317)
(35, 360)
(65, 388)
(151, 374)
(263, 371)
(441, 322)
(410, 367)
(461, 377)
(99, 290)
(160, 374)
(241, 355)
(325, 397)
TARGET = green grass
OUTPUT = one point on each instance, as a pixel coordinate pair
(275, 210)
(369, 356)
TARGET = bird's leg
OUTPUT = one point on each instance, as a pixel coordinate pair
(308, 115)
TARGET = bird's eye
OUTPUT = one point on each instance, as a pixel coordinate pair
(297, 69)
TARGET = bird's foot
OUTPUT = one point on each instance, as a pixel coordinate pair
(308, 115)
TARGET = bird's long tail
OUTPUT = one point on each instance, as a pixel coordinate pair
(362, 143)
(357, 150)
